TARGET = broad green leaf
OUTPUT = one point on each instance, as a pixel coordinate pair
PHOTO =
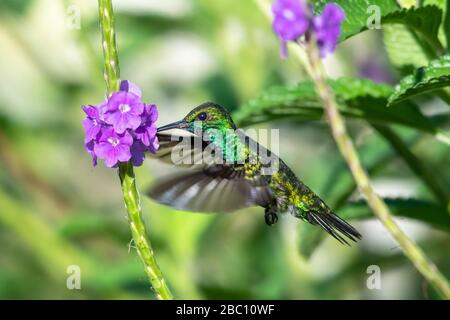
(435, 76)
(358, 13)
(402, 48)
(430, 213)
(439, 3)
(357, 98)
(411, 36)
(407, 3)
(444, 26)
(424, 21)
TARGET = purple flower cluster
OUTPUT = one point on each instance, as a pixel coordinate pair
(121, 128)
(294, 18)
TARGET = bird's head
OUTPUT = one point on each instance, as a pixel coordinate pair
(203, 118)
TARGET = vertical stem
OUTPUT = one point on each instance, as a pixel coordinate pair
(143, 246)
(348, 151)
(126, 172)
(110, 55)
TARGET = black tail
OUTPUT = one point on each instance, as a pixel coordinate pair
(334, 225)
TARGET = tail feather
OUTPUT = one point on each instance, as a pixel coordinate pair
(334, 225)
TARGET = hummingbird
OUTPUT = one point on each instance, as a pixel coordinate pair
(234, 175)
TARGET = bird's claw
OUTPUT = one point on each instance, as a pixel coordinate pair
(271, 218)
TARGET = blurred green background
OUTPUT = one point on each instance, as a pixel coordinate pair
(56, 210)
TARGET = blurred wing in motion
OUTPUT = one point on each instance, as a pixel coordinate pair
(208, 187)
(180, 150)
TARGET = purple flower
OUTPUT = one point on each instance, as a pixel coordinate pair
(89, 147)
(122, 128)
(137, 153)
(290, 21)
(113, 147)
(327, 28)
(293, 19)
(92, 123)
(146, 132)
(124, 111)
(154, 145)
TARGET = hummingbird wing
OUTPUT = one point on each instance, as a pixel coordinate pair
(206, 186)
(180, 150)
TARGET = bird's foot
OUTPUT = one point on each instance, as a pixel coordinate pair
(270, 217)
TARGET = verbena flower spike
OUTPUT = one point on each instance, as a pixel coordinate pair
(121, 128)
(127, 131)
(294, 19)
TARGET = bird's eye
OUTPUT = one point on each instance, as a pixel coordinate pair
(202, 116)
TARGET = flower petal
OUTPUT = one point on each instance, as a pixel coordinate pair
(126, 139)
(136, 109)
(90, 111)
(103, 150)
(89, 147)
(123, 152)
(137, 153)
(154, 145)
(128, 86)
(112, 159)
(327, 28)
(290, 19)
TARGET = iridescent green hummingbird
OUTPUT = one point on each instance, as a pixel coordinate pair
(234, 174)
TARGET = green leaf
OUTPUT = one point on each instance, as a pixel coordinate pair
(435, 76)
(411, 36)
(362, 99)
(447, 24)
(444, 31)
(430, 213)
(423, 21)
(357, 13)
(407, 3)
(402, 48)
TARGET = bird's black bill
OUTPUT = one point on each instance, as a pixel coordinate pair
(174, 125)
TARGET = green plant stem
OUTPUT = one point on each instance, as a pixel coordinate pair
(126, 172)
(143, 247)
(110, 56)
(348, 151)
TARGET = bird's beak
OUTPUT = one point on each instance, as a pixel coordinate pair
(174, 125)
